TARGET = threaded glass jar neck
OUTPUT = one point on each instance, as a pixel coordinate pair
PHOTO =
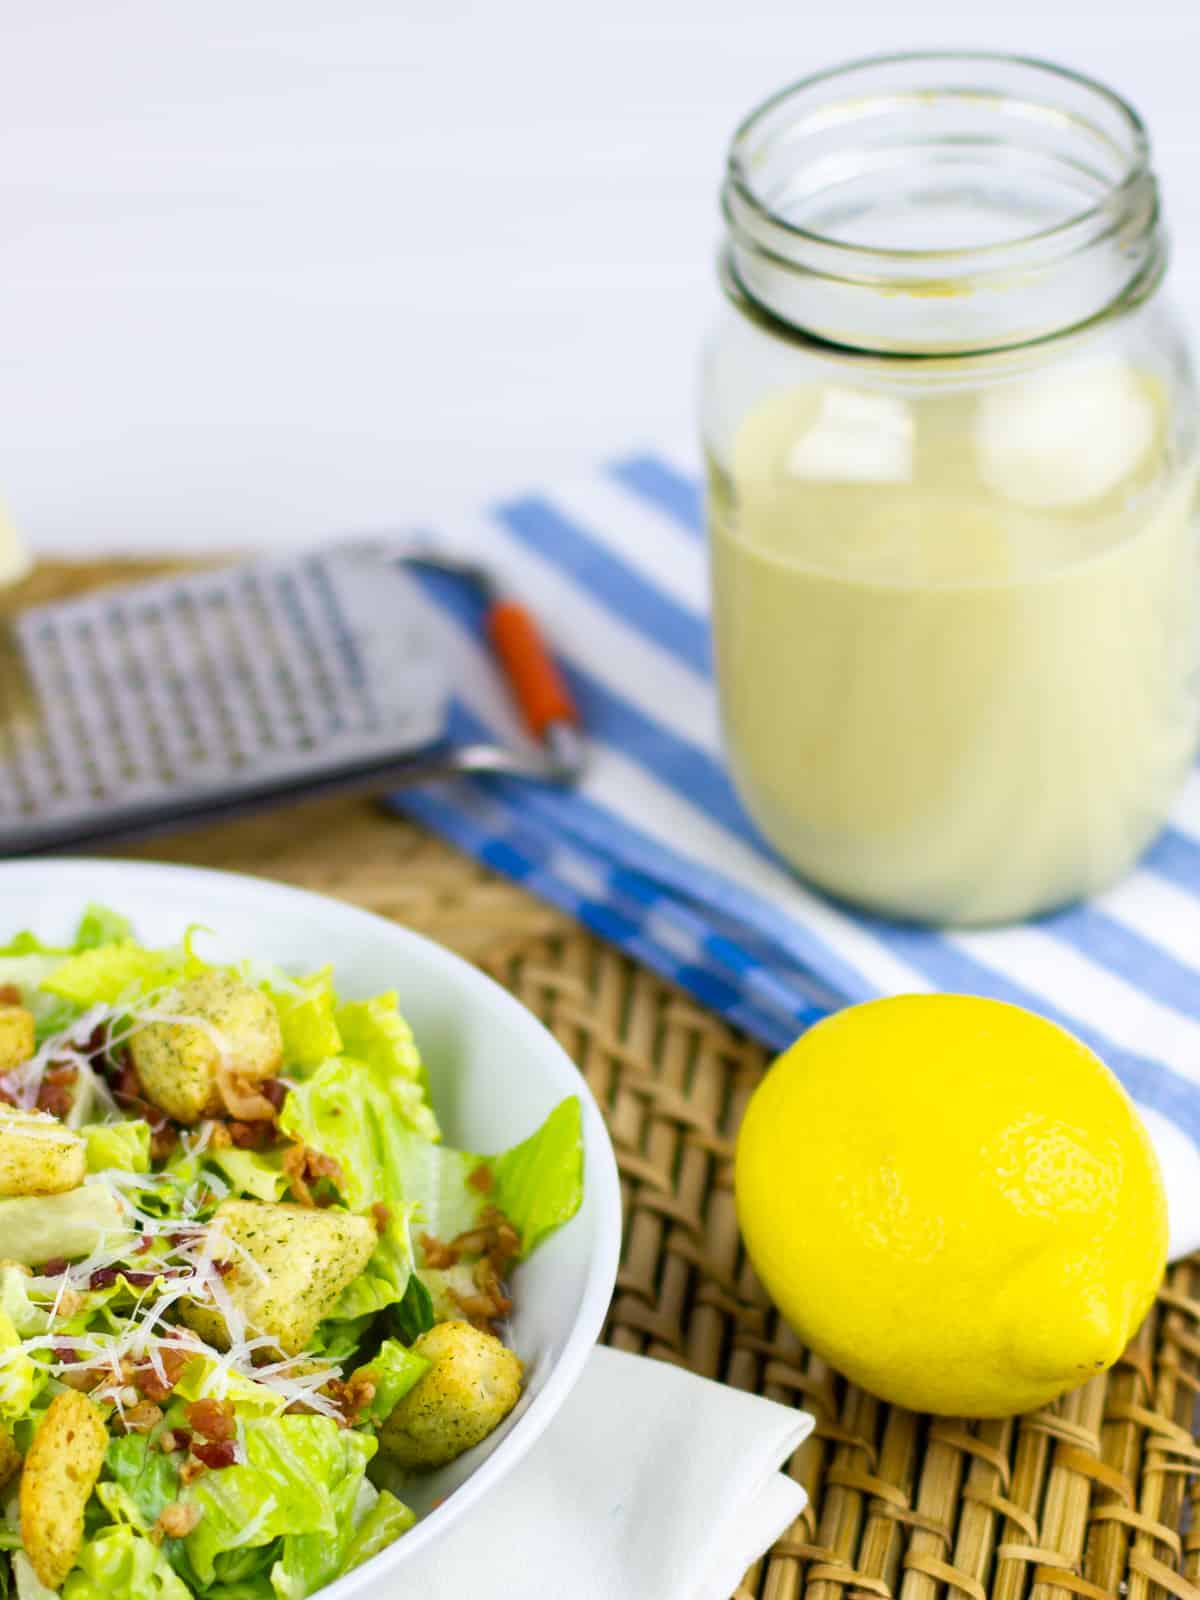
(941, 204)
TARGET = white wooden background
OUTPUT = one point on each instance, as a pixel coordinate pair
(272, 268)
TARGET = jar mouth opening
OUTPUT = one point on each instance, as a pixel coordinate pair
(800, 163)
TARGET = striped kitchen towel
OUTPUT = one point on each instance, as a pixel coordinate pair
(654, 852)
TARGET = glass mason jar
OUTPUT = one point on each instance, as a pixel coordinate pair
(951, 434)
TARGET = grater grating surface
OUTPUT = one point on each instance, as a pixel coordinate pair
(140, 706)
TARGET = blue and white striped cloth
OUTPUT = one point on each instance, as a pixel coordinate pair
(655, 853)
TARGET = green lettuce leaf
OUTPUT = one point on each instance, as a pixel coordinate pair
(256, 1173)
(306, 1018)
(16, 1303)
(297, 1470)
(147, 1480)
(100, 926)
(20, 1376)
(27, 973)
(395, 1370)
(123, 1146)
(387, 1519)
(415, 1313)
(108, 973)
(368, 1521)
(374, 1032)
(119, 1561)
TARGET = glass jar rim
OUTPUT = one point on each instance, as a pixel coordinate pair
(941, 203)
(1136, 172)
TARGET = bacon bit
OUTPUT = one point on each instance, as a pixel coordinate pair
(358, 1392)
(173, 1362)
(213, 1419)
(252, 1135)
(163, 1139)
(242, 1097)
(191, 1470)
(104, 1277)
(381, 1216)
(478, 1309)
(141, 1280)
(10, 995)
(176, 1521)
(126, 1083)
(144, 1243)
(224, 1268)
(55, 1267)
(64, 1353)
(438, 1255)
(496, 1244)
(481, 1179)
(305, 1167)
(172, 1439)
(7, 1096)
(57, 1092)
(274, 1090)
(140, 1418)
(84, 1381)
(216, 1454)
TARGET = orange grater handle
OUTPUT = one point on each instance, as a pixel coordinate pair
(529, 666)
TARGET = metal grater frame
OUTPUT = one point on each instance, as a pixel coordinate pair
(214, 692)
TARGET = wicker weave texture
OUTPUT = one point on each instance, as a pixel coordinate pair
(1092, 1496)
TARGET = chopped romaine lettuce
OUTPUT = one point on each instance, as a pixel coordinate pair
(20, 1376)
(374, 1032)
(257, 1173)
(113, 972)
(394, 1370)
(295, 1468)
(99, 926)
(117, 1146)
(148, 1479)
(386, 1520)
(120, 1561)
(306, 1018)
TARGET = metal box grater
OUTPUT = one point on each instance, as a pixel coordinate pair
(216, 692)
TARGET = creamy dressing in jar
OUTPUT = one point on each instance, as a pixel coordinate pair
(952, 438)
(955, 637)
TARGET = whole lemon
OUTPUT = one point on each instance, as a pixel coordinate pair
(952, 1201)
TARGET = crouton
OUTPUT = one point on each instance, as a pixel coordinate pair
(61, 1469)
(236, 1036)
(16, 1036)
(471, 1387)
(38, 1155)
(288, 1265)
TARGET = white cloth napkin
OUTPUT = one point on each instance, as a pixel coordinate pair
(650, 1484)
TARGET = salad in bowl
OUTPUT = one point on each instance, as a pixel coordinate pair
(247, 1294)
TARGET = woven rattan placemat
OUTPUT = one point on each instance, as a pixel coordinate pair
(1092, 1496)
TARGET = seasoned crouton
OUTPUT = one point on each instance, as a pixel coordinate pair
(288, 1265)
(473, 1384)
(184, 1066)
(61, 1469)
(38, 1155)
(16, 1036)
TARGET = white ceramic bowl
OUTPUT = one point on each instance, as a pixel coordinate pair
(495, 1074)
